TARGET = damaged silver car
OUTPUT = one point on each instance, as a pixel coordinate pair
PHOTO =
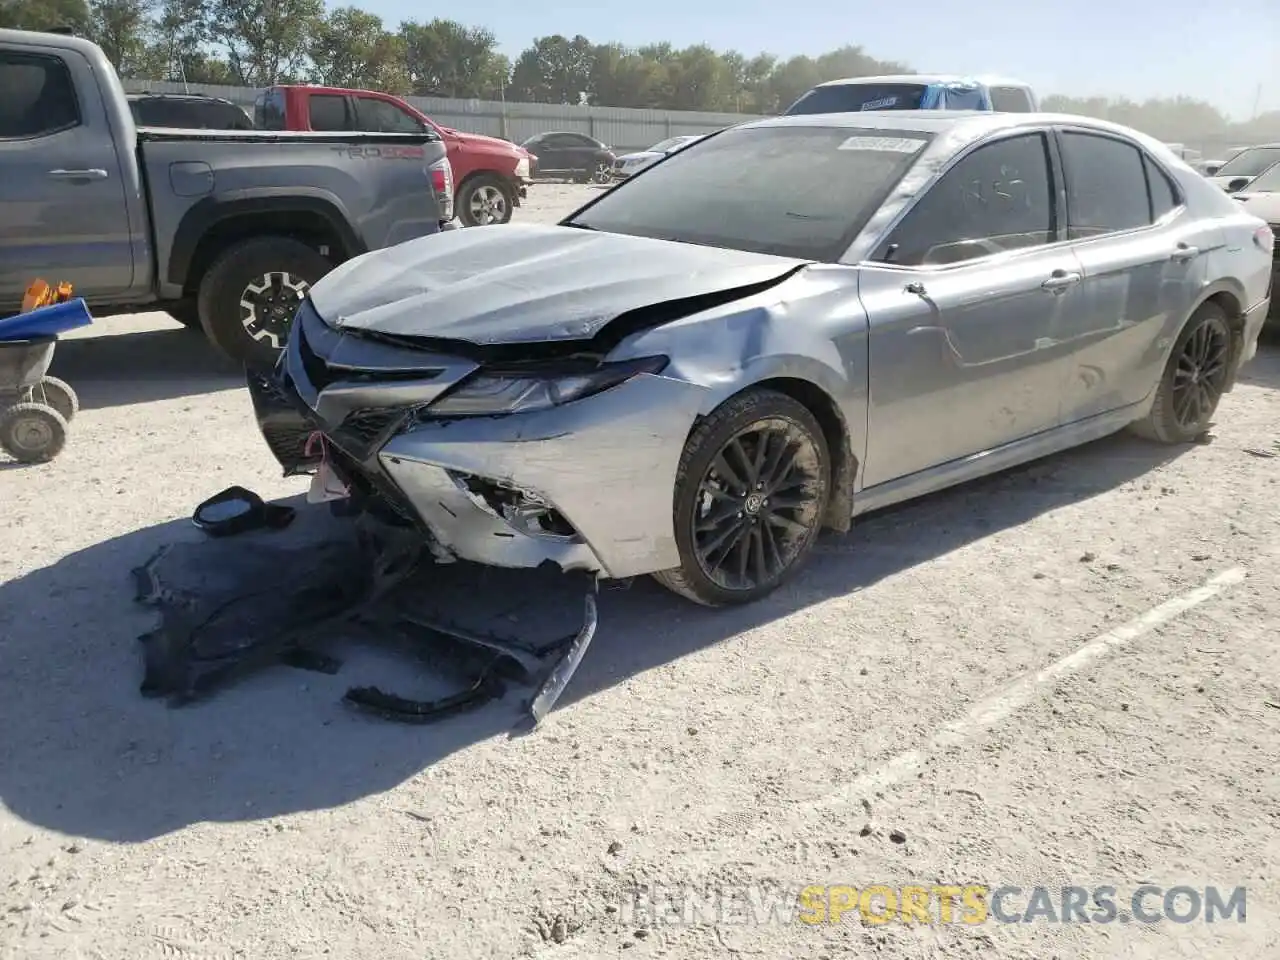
(785, 325)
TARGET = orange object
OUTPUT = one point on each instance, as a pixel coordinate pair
(40, 294)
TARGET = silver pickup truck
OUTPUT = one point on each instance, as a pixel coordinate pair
(225, 230)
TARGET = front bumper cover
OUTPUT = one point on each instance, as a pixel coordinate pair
(606, 464)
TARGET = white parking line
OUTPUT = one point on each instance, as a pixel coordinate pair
(1016, 695)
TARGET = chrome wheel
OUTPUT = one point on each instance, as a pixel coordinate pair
(758, 505)
(602, 173)
(268, 304)
(487, 205)
(1201, 373)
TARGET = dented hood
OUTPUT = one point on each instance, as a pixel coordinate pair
(525, 283)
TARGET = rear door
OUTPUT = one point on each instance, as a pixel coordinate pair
(63, 208)
(1143, 261)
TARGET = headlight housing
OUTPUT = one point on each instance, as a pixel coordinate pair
(494, 392)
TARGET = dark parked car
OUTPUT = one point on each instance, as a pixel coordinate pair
(187, 112)
(576, 155)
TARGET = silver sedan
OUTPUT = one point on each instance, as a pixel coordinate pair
(782, 326)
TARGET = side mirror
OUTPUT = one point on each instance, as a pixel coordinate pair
(1211, 169)
(1239, 183)
(237, 510)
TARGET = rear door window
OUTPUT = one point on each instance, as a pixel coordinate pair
(1106, 185)
(330, 112)
(37, 97)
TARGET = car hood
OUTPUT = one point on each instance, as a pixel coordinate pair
(480, 140)
(1264, 205)
(642, 155)
(525, 283)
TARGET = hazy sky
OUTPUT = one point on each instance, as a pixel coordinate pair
(1217, 50)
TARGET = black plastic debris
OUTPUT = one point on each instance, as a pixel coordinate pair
(237, 510)
(232, 605)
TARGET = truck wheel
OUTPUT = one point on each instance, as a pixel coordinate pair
(250, 294)
(484, 200)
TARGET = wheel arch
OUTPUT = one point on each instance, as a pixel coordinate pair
(835, 430)
(1229, 295)
(215, 223)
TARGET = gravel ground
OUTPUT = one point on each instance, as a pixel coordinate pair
(1064, 675)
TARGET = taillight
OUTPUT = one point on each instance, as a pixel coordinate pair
(441, 174)
(1265, 238)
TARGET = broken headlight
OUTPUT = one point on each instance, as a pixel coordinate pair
(522, 391)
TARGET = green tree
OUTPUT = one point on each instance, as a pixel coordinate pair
(266, 40)
(121, 28)
(554, 70)
(352, 48)
(44, 14)
(444, 58)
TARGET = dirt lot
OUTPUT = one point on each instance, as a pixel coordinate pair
(1065, 675)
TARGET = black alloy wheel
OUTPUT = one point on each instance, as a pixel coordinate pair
(750, 499)
(1193, 380)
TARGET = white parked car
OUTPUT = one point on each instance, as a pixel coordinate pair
(630, 163)
(1238, 172)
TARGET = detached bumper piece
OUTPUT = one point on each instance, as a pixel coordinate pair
(231, 605)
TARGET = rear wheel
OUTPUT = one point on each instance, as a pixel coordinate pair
(251, 293)
(750, 495)
(1193, 380)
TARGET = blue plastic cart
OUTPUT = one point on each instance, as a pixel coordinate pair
(35, 408)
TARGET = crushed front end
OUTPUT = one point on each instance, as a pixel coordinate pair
(472, 451)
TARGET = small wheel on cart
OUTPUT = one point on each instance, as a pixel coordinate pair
(32, 432)
(57, 394)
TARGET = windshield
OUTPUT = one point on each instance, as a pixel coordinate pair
(662, 146)
(1268, 182)
(1250, 163)
(853, 97)
(800, 192)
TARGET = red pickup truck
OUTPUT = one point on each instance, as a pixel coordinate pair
(491, 175)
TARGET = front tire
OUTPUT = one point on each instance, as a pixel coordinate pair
(483, 201)
(1193, 381)
(250, 294)
(750, 495)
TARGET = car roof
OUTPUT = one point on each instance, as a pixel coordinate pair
(927, 78)
(977, 122)
(188, 97)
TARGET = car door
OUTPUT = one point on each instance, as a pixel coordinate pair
(62, 196)
(581, 152)
(559, 152)
(963, 300)
(1143, 261)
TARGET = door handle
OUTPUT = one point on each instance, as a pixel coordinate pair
(1184, 252)
(916, 287)
(1060, 280)
(96, 174)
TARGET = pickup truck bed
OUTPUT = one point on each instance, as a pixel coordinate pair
(225, 229)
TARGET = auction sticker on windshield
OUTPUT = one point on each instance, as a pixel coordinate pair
(882, 144)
